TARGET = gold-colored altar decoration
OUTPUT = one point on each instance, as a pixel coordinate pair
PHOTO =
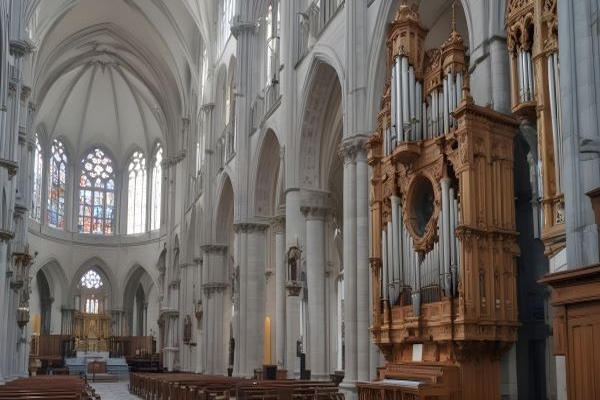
(443, 248)
(92, 332)
(532, 28)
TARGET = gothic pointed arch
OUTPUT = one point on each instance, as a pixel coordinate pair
(266, 175)
(110, 283)
(322, 102)
(224, 211)
(138, 285)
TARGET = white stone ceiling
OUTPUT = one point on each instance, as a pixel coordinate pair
(118, 73)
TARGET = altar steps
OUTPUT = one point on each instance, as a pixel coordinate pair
(116, 368)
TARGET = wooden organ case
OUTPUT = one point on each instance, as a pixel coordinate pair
(532, 40)
(443, 242)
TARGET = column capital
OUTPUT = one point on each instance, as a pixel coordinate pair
(294, 288)
(278, 223)
(238, 26)
(352, 147)
(25, 92)
(12, 88)
(315, 204)
(19, 48)
(213, 248)
(207, 107)
(174, 159)
(250, 226)
(314, 212)
(214, 287)
(5, 235)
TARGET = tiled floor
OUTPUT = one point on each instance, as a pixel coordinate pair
(114, 390)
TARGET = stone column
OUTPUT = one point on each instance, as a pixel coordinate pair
(252, 244)
(214, 284)
(5, 236)
(356, 263)
(295, 229)
(348, 151)
(280, 278)
(363, 309)
(292, 328)
(316, 344)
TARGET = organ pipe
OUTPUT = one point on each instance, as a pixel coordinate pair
(530, 75)
(405, 107)
(398, 109)
(453, 240)
(393, 99)
(395, 200)
(554, 112)
(390, 255)
(459, 85)
(445, 183)
(451, 97)
(452, 229)
(419, 105)
(401, 247)
(384, 264)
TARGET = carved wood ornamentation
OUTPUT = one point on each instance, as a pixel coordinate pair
(532, 25)
(450, 339)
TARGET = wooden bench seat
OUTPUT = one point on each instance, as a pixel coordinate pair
(188, 386)
(51, 387)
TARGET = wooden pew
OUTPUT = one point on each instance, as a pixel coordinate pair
(48, 387)
(188, 386)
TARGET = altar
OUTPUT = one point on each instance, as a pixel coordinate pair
(92, 332)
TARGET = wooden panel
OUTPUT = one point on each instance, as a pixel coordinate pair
(52, 346)
(583, 358)
(96, 367)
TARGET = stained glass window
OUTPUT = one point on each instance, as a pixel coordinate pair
(91, 306)
(156, 189)
(96, 194)
(136, 199)
(57, 172)
(91, 280)
(36, 198)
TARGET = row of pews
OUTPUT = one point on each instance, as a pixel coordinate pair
(48, 387)
(188, 386)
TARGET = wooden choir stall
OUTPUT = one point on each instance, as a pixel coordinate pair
(443, 248)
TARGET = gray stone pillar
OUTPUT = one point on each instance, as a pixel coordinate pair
(213, 288)
(363, 310)
(356, 263)
(292, 328)
(280, 278)
(4, 237)
(348, 151)
(315, 270)
(251, 241)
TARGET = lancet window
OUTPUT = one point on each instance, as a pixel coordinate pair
(156, 189)
(136, 199)
(57, 171)
(96, 194)
(38, 169)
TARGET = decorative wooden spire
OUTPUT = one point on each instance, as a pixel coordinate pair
(453, 49)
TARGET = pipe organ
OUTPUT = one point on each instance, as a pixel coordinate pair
(532, 28)
(443, 245)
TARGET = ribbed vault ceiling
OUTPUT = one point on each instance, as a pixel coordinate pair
(119, 73)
